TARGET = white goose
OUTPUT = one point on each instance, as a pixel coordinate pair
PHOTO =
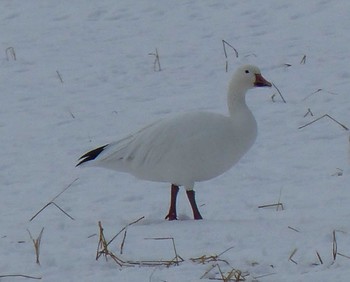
(188, 148)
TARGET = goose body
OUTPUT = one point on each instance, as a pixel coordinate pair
(187, 148)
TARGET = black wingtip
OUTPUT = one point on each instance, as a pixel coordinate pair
(89, 156)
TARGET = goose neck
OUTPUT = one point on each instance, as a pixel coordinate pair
(236, 100)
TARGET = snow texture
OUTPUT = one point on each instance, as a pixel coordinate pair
(83, 77)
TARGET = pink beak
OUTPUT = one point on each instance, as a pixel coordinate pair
(260, 81)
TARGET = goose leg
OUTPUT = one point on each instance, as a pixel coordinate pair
(192, 199)
(172, 210)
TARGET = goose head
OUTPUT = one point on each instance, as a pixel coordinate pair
(246, 77)
(249, 76)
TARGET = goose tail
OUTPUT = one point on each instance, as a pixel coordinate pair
(91, 155)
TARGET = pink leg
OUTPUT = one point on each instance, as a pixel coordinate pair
(172, 210)
(192, 199)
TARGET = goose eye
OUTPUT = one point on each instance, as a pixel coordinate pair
(246, 71)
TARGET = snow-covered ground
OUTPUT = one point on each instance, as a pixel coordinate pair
(100, 50)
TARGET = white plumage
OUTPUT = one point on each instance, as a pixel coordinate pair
(190, 147)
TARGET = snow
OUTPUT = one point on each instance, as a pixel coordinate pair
(101, 51)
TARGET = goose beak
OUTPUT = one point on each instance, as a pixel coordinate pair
(260, 81)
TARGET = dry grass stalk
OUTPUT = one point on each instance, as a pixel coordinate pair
(318, 91)
(291, 256)
(156, 64)
(123, 242)
(342, 255)
(335, 246)
(37, 243)
(228, 249)
(221, 273)
(308, 96)
(303, 60)
(319, 257)
(53, 203)
(278, 206)
(279, 92)
(124, 228)
(294, 229)
(102, 250)
(177, 258)
(59, 76)
(327, 116)
(206, 259)
(279, 202)
(10, 52)
(102, 246)
(20, 275)
(224, 43)
(234, 275)
(309, 112)
(206, 273)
